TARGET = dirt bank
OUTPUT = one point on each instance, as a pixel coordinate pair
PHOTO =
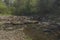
(24, 28)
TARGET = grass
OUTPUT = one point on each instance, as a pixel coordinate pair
(5, 14)
(28, 38)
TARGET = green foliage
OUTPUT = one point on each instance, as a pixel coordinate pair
(3, 8)
(28, 7)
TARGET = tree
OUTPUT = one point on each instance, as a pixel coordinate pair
(3, 8)
(56, 7)
(9, 3)
(17, 7)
